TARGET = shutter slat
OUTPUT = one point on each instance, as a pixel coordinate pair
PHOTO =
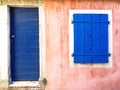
(104, 38)
(88, 38)
(78, 39)
(96, 38)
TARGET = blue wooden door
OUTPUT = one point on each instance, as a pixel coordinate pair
(24, 44)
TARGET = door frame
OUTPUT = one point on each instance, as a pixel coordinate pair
(6, 72)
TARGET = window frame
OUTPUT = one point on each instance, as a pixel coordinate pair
(71, 38)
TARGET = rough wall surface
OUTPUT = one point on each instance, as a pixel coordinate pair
(59, 75)
(3, 85)
(21, 2)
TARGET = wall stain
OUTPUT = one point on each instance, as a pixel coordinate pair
(116, 32)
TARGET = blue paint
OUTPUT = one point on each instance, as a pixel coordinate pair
(90, 38)
(24, 44)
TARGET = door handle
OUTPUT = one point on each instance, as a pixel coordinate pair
(12, 36)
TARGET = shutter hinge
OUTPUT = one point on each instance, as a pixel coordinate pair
(108, 22)
(72, 22)
(109, 54)
(72, 55)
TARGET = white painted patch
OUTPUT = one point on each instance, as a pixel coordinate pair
(71, 37)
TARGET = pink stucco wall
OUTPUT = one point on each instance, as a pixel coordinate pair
(58, 73)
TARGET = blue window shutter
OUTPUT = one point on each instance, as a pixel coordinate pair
(78, 38)
(90, 38)
(104, 37)
(100, 38)
(82, 38)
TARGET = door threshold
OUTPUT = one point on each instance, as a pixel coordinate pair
(24, 84)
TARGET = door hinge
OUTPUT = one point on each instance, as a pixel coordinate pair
(9, 10)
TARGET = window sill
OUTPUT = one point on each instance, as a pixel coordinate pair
(101, 65)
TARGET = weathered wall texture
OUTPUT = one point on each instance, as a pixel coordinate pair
(59, 75)
(21, 2)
